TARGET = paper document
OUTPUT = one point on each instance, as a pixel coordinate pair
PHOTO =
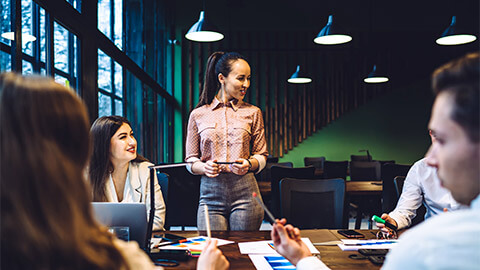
(349, 244)
(267, 247)
(194, 244)
(269, 262)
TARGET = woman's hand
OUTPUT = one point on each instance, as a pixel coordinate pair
(240, 167)
(212, 258)
(211, 169)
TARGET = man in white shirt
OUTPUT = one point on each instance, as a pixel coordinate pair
(421, 186)
(450, 240)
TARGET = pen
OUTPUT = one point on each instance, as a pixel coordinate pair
(207, 222)
(388, 224)
(224, 162)
(371, 243)
(269, 214)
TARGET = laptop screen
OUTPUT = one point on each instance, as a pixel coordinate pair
(127, 220)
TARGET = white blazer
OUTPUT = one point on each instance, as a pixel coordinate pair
(137, 189)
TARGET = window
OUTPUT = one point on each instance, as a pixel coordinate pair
(110, 86)
(76, 4)
(34, 43)
(5, 62)
(5, 21)
(65, 56)
(110, 20)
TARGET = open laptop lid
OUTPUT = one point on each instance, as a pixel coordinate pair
(131, 215)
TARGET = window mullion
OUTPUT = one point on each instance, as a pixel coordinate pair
(49, 40)
(36, 33)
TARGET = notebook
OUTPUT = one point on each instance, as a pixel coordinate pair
(131, 215)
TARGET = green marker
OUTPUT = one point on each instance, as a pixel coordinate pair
(380, 220)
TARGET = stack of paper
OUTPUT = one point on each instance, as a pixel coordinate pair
(350, 244)
(264, 256)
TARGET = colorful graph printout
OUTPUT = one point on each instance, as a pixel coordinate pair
(270, 261)
(196, 244)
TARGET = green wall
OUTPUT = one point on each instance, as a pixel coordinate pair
(392, 127)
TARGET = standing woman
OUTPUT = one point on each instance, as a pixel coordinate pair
(224, 128)
(117, 173)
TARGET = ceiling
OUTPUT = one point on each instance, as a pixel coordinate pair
(408, 29)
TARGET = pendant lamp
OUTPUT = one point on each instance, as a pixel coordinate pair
(453, 36)
(25, 37)
(331, 35)
(299, 77)
(375, 77)
(203, 31)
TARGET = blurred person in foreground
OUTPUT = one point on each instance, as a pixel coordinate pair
(47, 220)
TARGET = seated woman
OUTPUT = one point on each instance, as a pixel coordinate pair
(117, 173)
(46, 217)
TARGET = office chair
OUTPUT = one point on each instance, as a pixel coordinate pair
(335, 169)
(389, 194)
(183, 194)
(360, 158)
(398, 181)
(278, 173)
(313, 204)
(317, 162)
(265, 174)
(365, 171)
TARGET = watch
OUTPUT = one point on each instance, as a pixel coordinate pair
(249, 165)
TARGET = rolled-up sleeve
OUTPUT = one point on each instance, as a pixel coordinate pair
(410, 200)
(259, 143)
(192, 144)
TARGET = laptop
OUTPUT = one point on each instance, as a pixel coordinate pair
(131, 215)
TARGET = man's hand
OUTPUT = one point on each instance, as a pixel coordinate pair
(288, 243)
(212, 258)
(388, 219)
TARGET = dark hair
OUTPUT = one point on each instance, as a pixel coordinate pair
(100, 167)
(460, 78)
(218, 62)
(47, 220)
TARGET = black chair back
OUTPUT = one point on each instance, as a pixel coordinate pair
(360, 158)
(163, 182)
(265, 175)
(313, 204)
(365, 171)
(271, 159)
(383, 162)
(389, 195)
(278, 173)
(398, 181)
(317, 162)
(335, 169)
(183, 194)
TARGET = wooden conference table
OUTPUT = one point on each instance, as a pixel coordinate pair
(351, 188)
(331, 255)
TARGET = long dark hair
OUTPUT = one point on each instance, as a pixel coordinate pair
(101, 167)
(45, 202)
(218, 62)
